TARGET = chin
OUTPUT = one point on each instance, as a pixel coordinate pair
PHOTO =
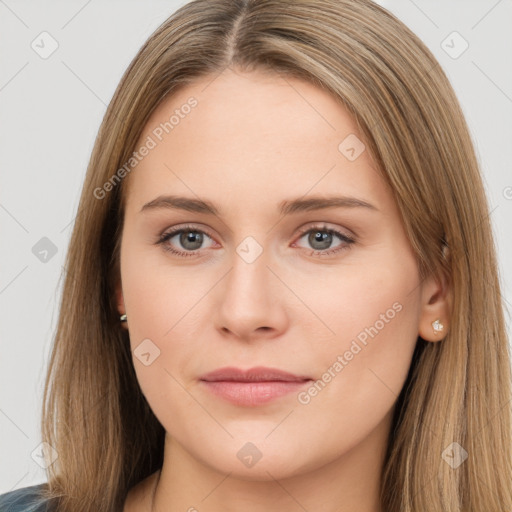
(257, 461)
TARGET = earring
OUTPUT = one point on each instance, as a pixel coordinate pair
(123, 318)
(437, 326)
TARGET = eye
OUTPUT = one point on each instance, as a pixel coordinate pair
(187, 237)
(321, 239)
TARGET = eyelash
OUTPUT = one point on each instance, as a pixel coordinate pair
(165, 237)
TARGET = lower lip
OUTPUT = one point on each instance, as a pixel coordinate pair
(251, 394)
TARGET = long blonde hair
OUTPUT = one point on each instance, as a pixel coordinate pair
(458, 390)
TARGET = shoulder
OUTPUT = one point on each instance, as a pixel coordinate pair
(26, 499)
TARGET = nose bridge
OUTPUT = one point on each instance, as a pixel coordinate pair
(249, 277)
(249, 298)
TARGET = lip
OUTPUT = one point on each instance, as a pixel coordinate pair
(252, 387)
(257, 374)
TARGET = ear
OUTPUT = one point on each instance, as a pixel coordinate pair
(436, 304)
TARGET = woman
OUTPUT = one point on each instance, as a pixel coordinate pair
(282, 287)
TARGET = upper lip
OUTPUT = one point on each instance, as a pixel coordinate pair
(257, 374)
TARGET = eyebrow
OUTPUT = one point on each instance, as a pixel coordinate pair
(286, 207)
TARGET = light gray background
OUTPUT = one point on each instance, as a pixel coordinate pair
(50, 110)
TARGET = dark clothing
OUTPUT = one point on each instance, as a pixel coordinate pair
(26, 499)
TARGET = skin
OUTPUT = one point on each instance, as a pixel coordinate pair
(253, 140)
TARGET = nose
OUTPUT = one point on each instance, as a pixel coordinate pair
(251, 301)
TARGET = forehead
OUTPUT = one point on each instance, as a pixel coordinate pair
(237, 136)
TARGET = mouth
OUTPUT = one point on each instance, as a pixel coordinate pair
(252, 387)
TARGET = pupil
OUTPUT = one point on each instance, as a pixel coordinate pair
(191, 240)
(323, 238)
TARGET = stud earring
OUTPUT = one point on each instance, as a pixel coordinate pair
(437, 326)
(123, 318)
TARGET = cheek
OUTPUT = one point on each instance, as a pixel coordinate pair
(158, 295)
(158, 306)
(164, 352)
(362, 367)
(350, 300)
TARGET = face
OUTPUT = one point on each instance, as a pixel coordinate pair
(276, 277)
